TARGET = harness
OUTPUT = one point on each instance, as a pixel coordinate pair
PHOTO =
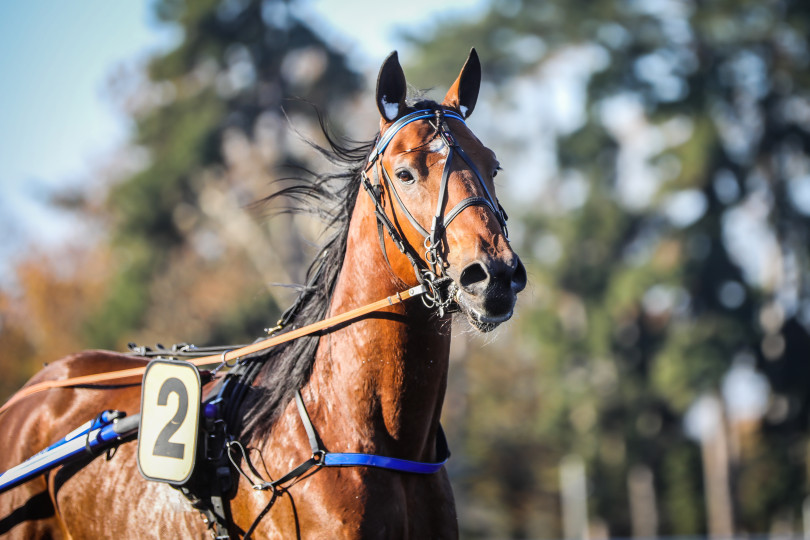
(212, 483)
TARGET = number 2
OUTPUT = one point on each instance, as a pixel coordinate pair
(163, 446)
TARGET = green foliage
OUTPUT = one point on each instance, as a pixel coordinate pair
(653, 295)
(236, 61)
(682, 497)
(687, 365)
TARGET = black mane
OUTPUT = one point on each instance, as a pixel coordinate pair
(286, 368)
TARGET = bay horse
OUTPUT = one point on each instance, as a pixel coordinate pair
(372, 386)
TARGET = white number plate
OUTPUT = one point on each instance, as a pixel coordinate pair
(170, 417)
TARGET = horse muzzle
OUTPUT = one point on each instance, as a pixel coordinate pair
(487, 289)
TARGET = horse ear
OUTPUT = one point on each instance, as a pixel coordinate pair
(464, 93)
(391, 88)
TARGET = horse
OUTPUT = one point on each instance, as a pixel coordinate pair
(373, 385)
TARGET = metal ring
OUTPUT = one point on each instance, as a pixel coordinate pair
(224, 363)
(432, 297)
(431, 257)
(319, 457)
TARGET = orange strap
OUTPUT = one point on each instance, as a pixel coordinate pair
(228, 356)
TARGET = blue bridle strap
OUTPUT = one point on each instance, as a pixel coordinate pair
(386, 138)
(322, 458)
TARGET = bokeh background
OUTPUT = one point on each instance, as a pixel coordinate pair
(655, 380)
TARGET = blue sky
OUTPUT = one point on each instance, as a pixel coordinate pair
(54, 120)
(56, 124)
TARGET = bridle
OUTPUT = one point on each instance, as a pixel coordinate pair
(429, 269)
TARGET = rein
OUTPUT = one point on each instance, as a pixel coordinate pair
(227, 357)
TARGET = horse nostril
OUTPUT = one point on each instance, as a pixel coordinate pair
(474, 274)
(519, 278)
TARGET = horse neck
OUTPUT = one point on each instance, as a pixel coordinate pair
(379, 382)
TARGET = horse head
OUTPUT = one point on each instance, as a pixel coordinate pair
(433, 185)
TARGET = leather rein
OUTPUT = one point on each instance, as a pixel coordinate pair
(227, 358)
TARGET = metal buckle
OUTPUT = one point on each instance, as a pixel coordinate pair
(319, 457)
(224, 363)
(270, 331)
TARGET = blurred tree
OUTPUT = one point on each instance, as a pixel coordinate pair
(55, 293)
(190, 262)
(671, 246)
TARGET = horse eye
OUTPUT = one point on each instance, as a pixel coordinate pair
(405, 177)
(495, 172)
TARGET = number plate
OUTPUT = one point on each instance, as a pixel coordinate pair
(170, 418)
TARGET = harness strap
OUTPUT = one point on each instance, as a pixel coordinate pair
(382, 218)
(386, 139)
(489, 200)
(323, 458)
(393, 189)
(438, 226)
(314, 441)
(470, 201)
(394, 464)
(218, 513)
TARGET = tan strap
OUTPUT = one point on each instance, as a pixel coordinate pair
(227, 357)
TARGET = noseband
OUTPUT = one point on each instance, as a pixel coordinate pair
(432, 268)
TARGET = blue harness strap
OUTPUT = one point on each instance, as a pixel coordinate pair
(386, 139)
(335, 459)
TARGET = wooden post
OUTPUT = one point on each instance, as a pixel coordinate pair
(643, 510)
(574, 493)
(714, 446)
